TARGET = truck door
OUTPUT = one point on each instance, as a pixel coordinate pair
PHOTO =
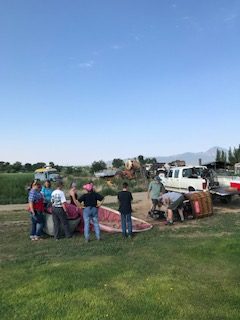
(169, 181)
(185, 180)
(176, 180)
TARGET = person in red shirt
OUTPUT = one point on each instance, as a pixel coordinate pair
(36, 208)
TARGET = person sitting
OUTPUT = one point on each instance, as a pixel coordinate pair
(172, 201)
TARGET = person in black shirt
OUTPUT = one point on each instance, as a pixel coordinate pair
(92, 201)
(125, 208)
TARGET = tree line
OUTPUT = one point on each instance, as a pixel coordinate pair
(232, 156)
(27, 167)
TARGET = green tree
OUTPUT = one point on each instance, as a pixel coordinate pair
(218, 155)
(98, 166)
(236, 154)
(230, 156)
(117, 163)
(68, 170)
(28, 167)
(223, 156)
(38, 165)
(17, 166)
(141, 159)
(150, 160)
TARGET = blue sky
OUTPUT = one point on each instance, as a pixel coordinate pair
(100, 79)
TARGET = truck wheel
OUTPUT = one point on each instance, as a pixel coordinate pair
(226, 199)
(190, 189)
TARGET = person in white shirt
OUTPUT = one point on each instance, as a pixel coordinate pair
(59, 212)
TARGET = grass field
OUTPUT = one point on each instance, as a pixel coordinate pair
(13, 187)
(191, 272)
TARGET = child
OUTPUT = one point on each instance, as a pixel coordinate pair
(125, 208)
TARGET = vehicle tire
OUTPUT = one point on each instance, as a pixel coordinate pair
(190, 189)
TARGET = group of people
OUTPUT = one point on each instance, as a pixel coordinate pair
(167, 202)
(42, 198)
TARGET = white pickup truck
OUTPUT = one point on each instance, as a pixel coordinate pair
(194, 178)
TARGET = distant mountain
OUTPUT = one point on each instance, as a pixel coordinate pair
(193, 158)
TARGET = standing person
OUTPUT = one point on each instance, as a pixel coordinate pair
(36, 208)
(92, 201)
(59, 212)
(125, 208)
(73, 194)
(172, 201)
(155, 190)
(47, 192)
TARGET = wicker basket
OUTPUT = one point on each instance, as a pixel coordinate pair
(201, 203)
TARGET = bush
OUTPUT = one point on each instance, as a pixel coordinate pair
(109, 192)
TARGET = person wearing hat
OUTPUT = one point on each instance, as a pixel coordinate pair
(59, 212)
(155, 190)
(92, 201)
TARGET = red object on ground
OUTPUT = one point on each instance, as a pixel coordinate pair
(73, 212)
(109, 220)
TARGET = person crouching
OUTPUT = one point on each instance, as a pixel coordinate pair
(59, 212)
(172, 201)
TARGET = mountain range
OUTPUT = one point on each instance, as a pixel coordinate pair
(192, 158)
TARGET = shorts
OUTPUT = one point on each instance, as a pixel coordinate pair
(178, 204)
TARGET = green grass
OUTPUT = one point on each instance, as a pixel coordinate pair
(13, 187)
(190, 272)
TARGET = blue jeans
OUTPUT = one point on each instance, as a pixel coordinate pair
(91, 213)
(126, 220)
(37, 224)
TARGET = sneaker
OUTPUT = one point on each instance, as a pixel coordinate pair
(32, 237)
(168, 223)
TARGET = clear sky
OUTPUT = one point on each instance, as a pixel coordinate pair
(85, 80)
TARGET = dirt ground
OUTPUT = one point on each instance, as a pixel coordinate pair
(141, 206)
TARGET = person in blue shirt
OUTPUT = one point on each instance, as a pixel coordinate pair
(47, 192)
